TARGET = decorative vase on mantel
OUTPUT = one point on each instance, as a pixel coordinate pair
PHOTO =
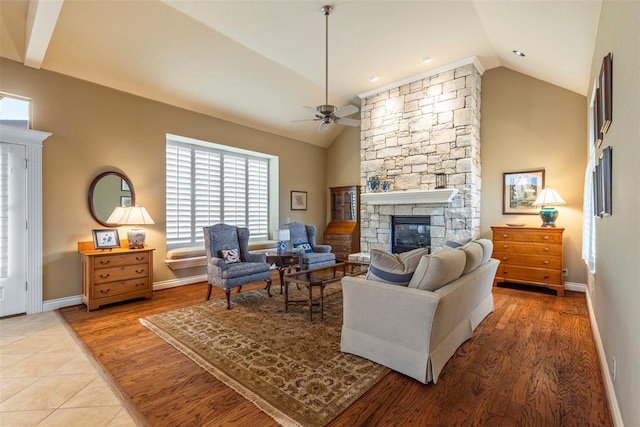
(373, 183)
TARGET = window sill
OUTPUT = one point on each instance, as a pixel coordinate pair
(175, 262)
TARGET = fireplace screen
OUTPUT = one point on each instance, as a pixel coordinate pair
(410, 232)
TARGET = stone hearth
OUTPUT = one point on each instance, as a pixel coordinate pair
(409, 134)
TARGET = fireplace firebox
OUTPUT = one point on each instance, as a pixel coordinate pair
(410, 232)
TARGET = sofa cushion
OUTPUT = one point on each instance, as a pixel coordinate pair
(473, 252)
(396, 269)
(435, 271)
(487, 249)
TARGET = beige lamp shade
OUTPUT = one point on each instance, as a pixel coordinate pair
(549, 197)
(134, 215)
(116, 215)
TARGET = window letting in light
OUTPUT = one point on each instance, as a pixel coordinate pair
(210, 183)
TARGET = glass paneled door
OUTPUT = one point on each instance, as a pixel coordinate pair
(13, 229)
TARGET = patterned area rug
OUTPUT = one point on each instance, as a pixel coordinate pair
(290, 368)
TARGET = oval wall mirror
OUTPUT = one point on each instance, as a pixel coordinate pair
(108, 191)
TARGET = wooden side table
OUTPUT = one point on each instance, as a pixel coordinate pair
(115, 275)
(285, 261)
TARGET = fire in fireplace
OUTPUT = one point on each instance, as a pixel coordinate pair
(410, 232)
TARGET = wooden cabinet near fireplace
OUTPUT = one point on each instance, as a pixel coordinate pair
(343, 232)
(529, 255)
(115, 275)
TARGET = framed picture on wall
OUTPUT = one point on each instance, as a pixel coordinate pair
(298, 200)
(605, 161)
(605, 84)
(597, 119)
(520, 190)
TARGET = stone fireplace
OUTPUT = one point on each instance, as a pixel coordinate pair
(412, 131)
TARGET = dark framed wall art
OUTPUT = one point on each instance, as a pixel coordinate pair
(520, 190)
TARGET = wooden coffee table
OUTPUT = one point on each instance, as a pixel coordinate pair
(319, 278)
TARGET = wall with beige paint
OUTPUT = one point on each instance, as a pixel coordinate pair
(529, 124)
(615, 291)
(97, 129)
(343, 161)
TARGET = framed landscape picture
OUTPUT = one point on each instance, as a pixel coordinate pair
(520, 190)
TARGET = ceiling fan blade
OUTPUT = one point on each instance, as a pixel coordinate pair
(347, 121)
(304, 120)
(347, 110)
(314, 111)
(323, 126)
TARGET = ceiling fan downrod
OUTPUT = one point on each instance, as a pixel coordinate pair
(326, 11)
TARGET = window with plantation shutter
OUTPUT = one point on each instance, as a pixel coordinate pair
(207, 184)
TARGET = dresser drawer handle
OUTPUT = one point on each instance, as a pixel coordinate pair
(140, 271)
(105, 262)
(140, 284)
(105, 291)
(546, 249)
(505, 236)
(505, 272)
(546, 276)
(505, 246)
(546, 261)
(546, 237)
(105, 276)
(505, 258)
(139, 258)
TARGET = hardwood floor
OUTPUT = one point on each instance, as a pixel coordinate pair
(532, 362)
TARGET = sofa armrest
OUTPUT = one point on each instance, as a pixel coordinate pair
(395, 314)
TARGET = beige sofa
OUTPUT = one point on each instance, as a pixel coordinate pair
(416, 331)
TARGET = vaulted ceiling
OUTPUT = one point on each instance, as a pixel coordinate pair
(256, 63)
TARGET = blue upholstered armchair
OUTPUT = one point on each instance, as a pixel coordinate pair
(305, 236)
(229, 262)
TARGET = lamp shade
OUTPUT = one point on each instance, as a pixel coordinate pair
(116, 215)
(135, 215)
(549, 197)
(282, 234)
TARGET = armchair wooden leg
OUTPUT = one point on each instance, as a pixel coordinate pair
(227, 293)
(268, 288)
(239, 288)
(209, 293)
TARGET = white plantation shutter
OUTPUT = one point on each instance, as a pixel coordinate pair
(206, 186)
(4, 211)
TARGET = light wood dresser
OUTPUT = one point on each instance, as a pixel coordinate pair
(529, 255)
(115, 275)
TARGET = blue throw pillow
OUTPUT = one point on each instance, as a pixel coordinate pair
(304, 246)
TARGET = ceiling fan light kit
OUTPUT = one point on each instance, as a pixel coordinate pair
(326, 113)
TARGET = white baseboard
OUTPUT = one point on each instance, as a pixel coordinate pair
(54, 304)
(165, 284)
(604, 368)
(576, 287)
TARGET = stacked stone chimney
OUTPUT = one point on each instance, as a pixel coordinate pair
(411, 133)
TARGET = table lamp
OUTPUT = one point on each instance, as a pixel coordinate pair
(547, 199)
(136, 215)
(282, 236)
(116, 215)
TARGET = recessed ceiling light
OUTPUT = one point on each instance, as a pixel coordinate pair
(426, 59)
(518, 53)
(373, 78)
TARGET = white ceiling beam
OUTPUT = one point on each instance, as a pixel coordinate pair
(41, 21)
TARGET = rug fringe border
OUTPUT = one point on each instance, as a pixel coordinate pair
(279, 416)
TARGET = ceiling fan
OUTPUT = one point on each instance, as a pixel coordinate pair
(327, 113)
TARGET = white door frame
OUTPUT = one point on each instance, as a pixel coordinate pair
(32, 140)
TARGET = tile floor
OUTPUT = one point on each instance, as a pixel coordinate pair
(46, 379)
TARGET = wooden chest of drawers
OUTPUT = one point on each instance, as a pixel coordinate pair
(529, 255)
(341, 244)
(117, 275)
